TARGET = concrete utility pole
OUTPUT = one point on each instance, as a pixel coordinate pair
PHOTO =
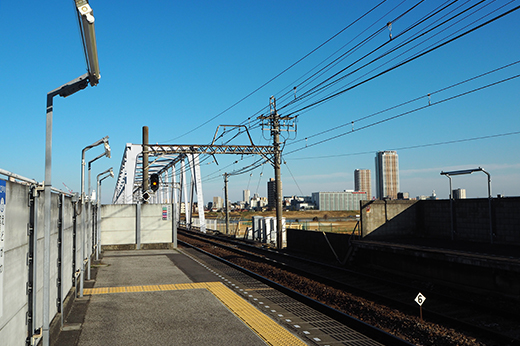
(276, 124)
(275, 132)
(145, 164)
(226, 203)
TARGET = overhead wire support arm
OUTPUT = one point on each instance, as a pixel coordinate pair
(209, 149)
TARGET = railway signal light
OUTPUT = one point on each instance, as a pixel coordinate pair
(154, 182)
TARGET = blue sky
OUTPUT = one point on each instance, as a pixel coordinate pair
(174, 66)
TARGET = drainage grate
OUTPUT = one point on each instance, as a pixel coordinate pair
(360, 342)
(353, 339)
(315, 318)
(326, 324)
(282, 301)
(321, 322)
(302, 310)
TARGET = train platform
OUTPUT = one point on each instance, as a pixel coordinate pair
(178, 297)
(484, 272)
(500, 256)
(496, 250)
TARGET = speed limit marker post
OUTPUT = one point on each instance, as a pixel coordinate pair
(420, 300)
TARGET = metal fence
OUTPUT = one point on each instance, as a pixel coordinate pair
(28, 298)
(21, 249)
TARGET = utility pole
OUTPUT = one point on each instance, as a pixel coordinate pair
(275, 123)
(275, 133)
(226, 204)
(145, 165)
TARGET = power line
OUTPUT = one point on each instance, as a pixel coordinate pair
(408, 102)
(417, 146)
(317, 88)
(407, 112)
(278, 75)
(286, 165)
(334, 62)
(336, 94)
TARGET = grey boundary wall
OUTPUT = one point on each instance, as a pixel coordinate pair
(137, 226)
(14, 292)
(432, 219)
(322, 245)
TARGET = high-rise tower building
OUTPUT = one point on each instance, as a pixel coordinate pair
(246, 195)
(387, 174)
(363, 181)
(271, 194)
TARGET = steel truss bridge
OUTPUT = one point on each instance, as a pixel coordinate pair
(164, 160)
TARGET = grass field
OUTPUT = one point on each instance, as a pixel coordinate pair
(326, 221)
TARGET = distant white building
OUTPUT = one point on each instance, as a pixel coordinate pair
(298, 202)
(346, 200)
(218, 203)
(246, 195)
(459, 193)
(403, 195)
(258, 202)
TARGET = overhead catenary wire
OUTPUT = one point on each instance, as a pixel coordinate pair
(381, 29)
(408, 102)
(406, 113)
(416, 146)
(296, 85)
(278, 75)
(313, 92)
(257, 125)
(398, 17)
(403, 62)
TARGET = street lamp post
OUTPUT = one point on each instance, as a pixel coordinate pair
(63, 91)
(85, 258)
(86, 19)
(108, 173)
(89, 211)
(469, 171)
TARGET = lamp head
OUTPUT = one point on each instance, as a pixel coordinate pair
(107, 148)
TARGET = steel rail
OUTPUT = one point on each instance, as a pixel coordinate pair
(406, 307)
(352, 322)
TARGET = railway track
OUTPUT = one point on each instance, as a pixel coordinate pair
(381, 302)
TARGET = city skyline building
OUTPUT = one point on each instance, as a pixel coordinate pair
(218, 202)
(345, 200)
(271, 194)
(459, 193)
(387, 174)
(246, 195)
(363, 181)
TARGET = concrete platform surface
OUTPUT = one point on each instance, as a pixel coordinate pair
(162, 297)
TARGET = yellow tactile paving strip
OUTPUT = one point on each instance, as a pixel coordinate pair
(271, 332)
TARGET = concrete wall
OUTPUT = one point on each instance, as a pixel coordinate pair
(13, 327)
(392, 218)
(119, 225)
(13, 330)
(156, 227)
(432, 219)
(315, 244)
